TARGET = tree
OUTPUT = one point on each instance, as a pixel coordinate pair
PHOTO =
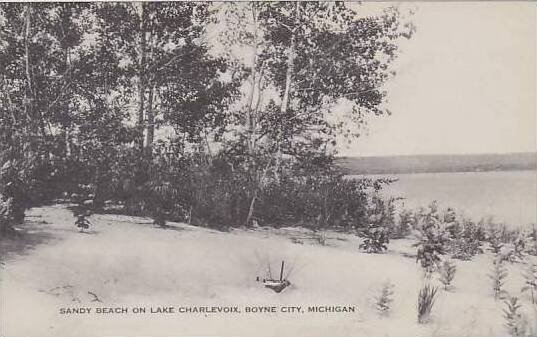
(38, 49)
(305, 59)
(164, 52)
(169, 75)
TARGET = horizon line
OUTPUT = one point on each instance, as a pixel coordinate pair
(437, 154)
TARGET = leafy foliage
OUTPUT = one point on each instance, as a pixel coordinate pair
(426, 300)
(530, 281)
(447, 273)
(531, 246)
(385, 299)
(403, 227)
(87, 87)
(513, 318)
(466, 240)
(432, 238)
(498, 276)
(381, 222)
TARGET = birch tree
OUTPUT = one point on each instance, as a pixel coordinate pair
(39, 44)
(307, 58)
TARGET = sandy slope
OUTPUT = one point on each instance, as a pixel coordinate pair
(126, 261)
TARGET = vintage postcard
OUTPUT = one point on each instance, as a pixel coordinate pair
(268, 168)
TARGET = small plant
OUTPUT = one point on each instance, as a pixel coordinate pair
(82, 223)
(404, 226)
(376, 239)
(465, 248)
(531, 247)
(513, 319)
(447, 273)
(426, 299)
(530, 284)
(432, 236)
(495, 244)
(466, 240)
(519, 247)
(428, 255)
(497, 276)
(384, 300)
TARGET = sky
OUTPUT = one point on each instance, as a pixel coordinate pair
(465, 83)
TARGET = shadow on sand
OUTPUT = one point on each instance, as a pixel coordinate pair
(24, 240)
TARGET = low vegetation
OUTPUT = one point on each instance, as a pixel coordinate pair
(530, 282)
(497, 276)
(447, 273)
(426, 299)
(514, 321)
(384, 300)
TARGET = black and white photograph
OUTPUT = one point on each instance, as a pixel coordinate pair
(268, 168)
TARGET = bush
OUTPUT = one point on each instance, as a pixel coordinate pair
(498, 276)
(466, 240)
(376, 239)
(384, 300)
(6, 211)
(426, 299)
(495, 244)
(432, 237)
(530, 281)
(404, 226)
(513, 318)
(531, 246)
(447, 273)
(221, 196)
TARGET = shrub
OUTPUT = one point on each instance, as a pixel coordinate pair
(530, 281)
(451, 223)
(404, 225)
(465, 248)
(432, 236)
(531, 246)
(466, 240)
(376, 239)
(426, 299)
(513, 319)
(318, 202)
(381, 218)
(447, 273)
(384, 300)
(519, 245)
(495, 244)
(429, 255)
(498, 276)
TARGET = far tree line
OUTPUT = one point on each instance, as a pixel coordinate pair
(222, 114)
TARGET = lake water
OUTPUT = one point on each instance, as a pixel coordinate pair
(509, 196)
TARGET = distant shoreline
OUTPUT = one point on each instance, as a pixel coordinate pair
(526, 161)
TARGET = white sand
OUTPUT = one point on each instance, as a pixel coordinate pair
(126, 261)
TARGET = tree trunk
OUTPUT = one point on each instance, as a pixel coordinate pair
(291, 54)
(251, 209)
(251, 110)
(141, 79)
(28, 91)
(251, 124)
(150, 136)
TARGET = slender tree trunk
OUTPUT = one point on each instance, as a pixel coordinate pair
(28, 90)
(251, 124)
(251, 209)
(250, 118)
(67, 142)
(291, 54)
(150, 136)
(141, 79)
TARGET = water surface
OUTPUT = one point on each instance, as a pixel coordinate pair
(507, 196)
